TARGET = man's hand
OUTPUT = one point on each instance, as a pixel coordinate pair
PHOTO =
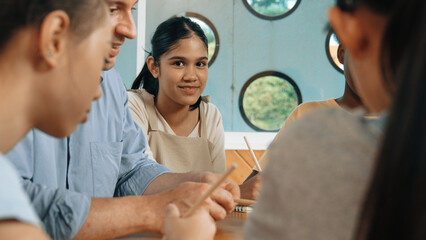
(185, 196)
(115, 217)
(228, 184)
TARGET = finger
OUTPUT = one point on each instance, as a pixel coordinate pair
(204, 213)
(216, 211)
(172, 211)
(223, 198)
(234, 189)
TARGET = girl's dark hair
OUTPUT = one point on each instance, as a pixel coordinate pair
(17, 14)
(394, 206)
(165, 37)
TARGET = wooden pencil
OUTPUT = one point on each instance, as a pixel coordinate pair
(244, 202)
(252, 154)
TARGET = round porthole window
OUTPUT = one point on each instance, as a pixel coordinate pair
(271, 9)
(267, 99)
(209, 31)
(331, 46)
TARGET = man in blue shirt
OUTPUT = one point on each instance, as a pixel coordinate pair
(71, 181)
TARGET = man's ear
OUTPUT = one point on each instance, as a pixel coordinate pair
(54, 33)
(348, 28)
(152, 66)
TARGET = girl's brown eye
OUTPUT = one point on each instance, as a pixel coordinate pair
(178, 63)
(201, 64)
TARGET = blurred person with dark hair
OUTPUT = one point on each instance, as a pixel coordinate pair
(37, 42)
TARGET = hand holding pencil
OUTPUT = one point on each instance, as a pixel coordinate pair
(176, 223)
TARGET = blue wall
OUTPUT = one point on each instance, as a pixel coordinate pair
(126, 60)
(294, 45)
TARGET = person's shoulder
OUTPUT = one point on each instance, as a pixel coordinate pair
(111, 73)
(136, 100)
(326, 132)
(333, 122)
(15, 203)
(303, 109)
(209, 106)
(210, 110)
(5, 166)
(112, 83)
(139, 95)
(134, 94)
(111, 76)
(8, 174)
(312, 105)
(328, 116)
(345, 118)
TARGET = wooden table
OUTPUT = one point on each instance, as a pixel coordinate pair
(231, 228)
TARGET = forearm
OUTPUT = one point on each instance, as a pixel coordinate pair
(111, 218)
(115, 217)
(168, 181)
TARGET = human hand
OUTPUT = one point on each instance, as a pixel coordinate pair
(250, 189)
(227, 185)
(185, 196)
(199, 226)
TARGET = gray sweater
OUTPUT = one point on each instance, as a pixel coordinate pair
(315, 182)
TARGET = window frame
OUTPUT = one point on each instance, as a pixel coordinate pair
(327, 52)
(271, 18)
(254, 78)
(212, 27)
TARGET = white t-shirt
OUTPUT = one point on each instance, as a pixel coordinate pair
(14, 203)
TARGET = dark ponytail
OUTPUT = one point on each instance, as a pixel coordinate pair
(165, 37)
(16, 14)
(150, 84)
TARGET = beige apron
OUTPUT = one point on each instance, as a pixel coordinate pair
(179, 154)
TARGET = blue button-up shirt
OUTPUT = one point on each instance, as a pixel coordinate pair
(104, 157)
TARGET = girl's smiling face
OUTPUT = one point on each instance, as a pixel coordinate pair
(182, 72)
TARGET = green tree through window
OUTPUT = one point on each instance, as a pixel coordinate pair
(268, 101)
(272, 7)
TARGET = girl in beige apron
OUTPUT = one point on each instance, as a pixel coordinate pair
(173, 79)
(179, 153)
